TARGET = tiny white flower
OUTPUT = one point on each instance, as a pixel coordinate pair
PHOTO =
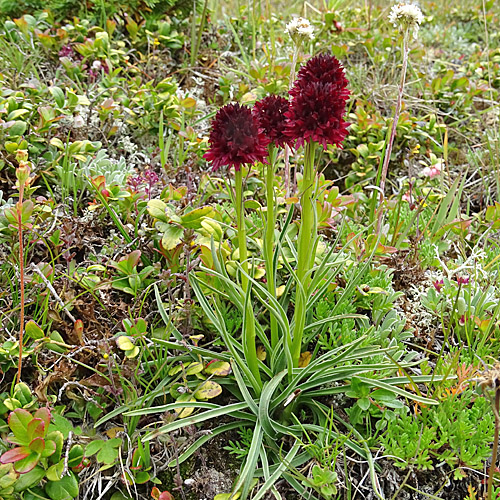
(406, 16)
(299, 29)
(96, 65)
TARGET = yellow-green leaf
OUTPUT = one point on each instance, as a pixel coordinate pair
(218, 368)
(208, 390)
(184, 412)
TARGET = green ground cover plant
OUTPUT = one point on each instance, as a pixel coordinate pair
(249, 251)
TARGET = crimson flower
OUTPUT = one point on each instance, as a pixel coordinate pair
(236, 138)
(318, 105)
(323, 68)
(438, 284)
(270, 112)
(317, 114)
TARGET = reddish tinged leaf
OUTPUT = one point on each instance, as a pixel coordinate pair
(36, 429)
(43, 414)
(37, 445)
(165, 496)
(158, 495)
(78, 328)
(18, 423)
(15, 455)
(133, 258)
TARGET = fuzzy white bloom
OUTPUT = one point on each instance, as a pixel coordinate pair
(406, 16)
(299, 29)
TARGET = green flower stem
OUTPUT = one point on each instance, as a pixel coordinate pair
(269, 238)
(242, 235)
(305, 250)
(248, 330)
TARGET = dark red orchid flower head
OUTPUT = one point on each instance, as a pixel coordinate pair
(323, 68)
(270, 112)
(319, 97)
(317, 114)
(236, 138)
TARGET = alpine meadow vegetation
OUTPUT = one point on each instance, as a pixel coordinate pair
(249, 250)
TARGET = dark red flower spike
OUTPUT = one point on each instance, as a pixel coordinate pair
(236, 138)
(323, 68)
(317, 114)
(271, 114)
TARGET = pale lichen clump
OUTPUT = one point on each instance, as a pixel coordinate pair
(406, 17)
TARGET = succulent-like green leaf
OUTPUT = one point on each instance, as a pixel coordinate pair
(37, 445)
(64, 489)
(18, 423)
(15, 455)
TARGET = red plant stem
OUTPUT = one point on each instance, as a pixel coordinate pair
(21, 272)
(388, 151)
(495, 445)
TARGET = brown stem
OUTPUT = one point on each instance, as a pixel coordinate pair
(21, 272)
(388, 151)
(495, 444)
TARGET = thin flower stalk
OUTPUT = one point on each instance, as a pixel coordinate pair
(407, 17)
(248, 332)
(269, 238)
(286, 155)
(271, 113)
(22, 174)
(390, 143)
(305, 249)
(300, 30)
(21, 285)
(236, 140)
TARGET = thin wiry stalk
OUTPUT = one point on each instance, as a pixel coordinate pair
(388, 151)
(21, 284)
(494, 452)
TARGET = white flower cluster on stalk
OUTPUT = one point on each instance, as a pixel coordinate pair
(406, 16)
(299, 29)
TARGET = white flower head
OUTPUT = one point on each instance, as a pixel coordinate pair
(406, 16)
(299, 29)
